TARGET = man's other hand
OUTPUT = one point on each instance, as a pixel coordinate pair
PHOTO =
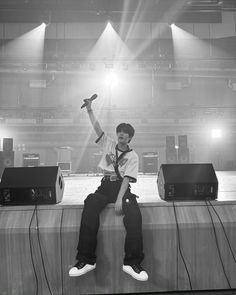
(118, 206)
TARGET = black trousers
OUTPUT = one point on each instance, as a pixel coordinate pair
(94, 203)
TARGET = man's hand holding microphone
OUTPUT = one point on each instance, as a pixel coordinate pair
(88, 101)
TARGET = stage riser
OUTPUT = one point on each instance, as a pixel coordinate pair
(59, 233)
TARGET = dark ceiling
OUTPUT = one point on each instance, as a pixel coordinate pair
(16, 11)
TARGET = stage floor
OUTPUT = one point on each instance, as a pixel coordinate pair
(78, 186)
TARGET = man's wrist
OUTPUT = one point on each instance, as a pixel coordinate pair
(119, 198)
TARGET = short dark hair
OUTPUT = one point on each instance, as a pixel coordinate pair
(126, 128)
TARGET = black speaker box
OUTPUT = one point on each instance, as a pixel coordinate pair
(186, 182)
(171, 156)
(6, 160)
(31, 160)
(170, 142)
(183, 155)
(7, 144)
(150, 162)
(31, 186)
(182, 141)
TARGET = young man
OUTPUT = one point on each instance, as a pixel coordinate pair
(120, 166)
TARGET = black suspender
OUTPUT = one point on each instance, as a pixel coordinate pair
(118, 159)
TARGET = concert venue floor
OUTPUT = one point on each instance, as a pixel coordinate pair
(78, 186)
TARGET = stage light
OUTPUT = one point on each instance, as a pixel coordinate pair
(171, 24)
(109, 26)
(109, 46)
(109, 30)
(46, 19)
(43, 24)
(111, 79)
(185, 44)
(28, 45)
(216, 133)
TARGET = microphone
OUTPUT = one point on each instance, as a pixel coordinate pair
(86, 100)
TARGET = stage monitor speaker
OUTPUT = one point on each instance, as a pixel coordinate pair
(7, 144)
(183, 155)
(185, 182)
(171, 156)
(31, 186)
(182, 141)
(31, 160)
(6, 160)
(170, 142)
(150, 162)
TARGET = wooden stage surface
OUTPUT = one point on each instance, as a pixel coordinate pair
(77, 187)
(38, 244)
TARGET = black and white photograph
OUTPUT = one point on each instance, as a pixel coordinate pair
(117, 147)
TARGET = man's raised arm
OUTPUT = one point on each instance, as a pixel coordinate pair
(96, 126)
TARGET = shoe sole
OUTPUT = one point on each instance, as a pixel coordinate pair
(84, 272)
(134, 277)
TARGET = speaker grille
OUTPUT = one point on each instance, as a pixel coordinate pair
(7, 144)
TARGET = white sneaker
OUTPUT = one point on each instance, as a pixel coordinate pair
(136, 271)
(80, 269)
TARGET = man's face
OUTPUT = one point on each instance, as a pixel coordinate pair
(123, 137)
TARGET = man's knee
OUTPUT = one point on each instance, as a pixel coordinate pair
(94, 202)
(90, 199)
